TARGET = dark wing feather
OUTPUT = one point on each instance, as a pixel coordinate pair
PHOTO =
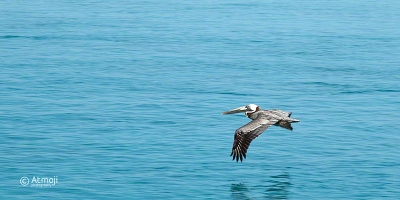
(247, 133)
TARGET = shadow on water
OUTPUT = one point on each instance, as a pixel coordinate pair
(276, 187)
(279, 187)
(239, 191)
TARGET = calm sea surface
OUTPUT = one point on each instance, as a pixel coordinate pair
(123, 100)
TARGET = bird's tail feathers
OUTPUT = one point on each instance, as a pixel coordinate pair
(285, 124)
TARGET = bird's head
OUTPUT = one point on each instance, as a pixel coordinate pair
(248, 110)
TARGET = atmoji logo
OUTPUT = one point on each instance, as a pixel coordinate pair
(37, 181)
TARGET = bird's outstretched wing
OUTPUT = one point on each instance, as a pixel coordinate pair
(247, 133)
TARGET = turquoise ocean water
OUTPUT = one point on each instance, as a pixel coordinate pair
(123, 100)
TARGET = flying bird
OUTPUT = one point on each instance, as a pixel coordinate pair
(261, 120)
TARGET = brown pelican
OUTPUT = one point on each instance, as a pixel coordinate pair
(261, 120)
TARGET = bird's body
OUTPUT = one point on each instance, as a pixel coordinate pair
(261, 120)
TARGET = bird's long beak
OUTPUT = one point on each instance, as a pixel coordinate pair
(236, 110)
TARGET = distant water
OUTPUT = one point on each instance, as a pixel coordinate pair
(123, 100)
